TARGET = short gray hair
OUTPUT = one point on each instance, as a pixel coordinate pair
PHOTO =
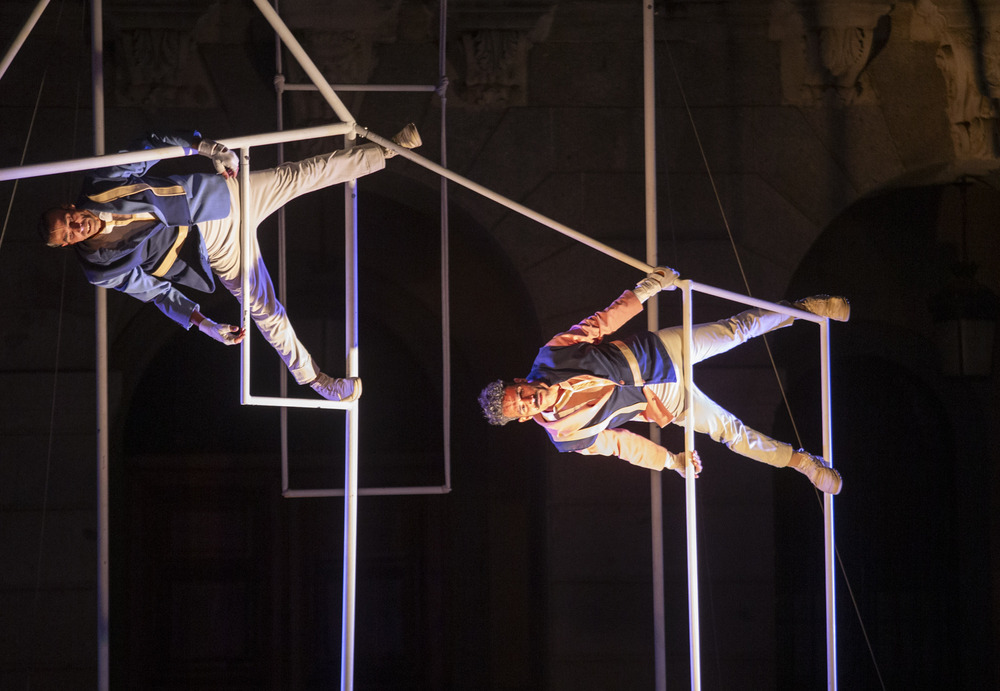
(491, 401)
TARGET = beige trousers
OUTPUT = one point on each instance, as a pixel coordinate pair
(709, 417)
(270, 190)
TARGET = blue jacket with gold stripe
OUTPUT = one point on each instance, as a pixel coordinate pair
(138, 264)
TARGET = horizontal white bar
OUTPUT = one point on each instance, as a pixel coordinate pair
(76, 164)
(754, 302)
(362, 87)
(278, 402)
(316, 132)
(127, 157)
(365, 491)
(500, 199)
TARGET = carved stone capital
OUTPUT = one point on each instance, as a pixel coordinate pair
(968, 56)
(157, 63)
(495, 42)
(825, 47)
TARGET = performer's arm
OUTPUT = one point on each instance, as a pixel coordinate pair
(225, 161)
(638, 450)
(598, 325)
(225, 334)
(146, 288)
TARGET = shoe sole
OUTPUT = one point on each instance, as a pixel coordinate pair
(834, 307)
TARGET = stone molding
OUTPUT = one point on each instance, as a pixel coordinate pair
(825, 47)
(968, 56)
(495, 43)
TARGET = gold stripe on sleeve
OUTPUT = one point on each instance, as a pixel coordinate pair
(129, 190)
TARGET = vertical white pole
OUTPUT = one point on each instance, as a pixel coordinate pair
(246, 223)
(652, 323)
(828, 534)
(351, 465)
(308, 66)
(279, 69)
(101, 327)
(694, 617)
(445, 247)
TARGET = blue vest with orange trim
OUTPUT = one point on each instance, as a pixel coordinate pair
(631, 363)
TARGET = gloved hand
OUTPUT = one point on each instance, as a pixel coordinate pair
(662, 278)
(225, 334)
(675, 461)
(227, 164)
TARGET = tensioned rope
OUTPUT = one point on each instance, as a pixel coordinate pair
(770, 354)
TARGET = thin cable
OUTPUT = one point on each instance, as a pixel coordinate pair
(24, 153)
(732, 241)
(767, 346)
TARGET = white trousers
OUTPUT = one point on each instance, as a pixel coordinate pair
(269, 190)
(709, 417)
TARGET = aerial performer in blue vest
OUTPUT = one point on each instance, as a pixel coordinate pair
(146, 235)
(581, 387)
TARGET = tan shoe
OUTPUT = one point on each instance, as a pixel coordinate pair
(823, 477)
(408, 138)
(830, 306)
(343, 390)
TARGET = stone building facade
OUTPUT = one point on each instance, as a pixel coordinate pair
(822, 146)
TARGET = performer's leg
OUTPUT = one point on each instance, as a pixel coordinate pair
(272, 188)
(271, 319)
(712, 419)
(717, 337)
(222, 240)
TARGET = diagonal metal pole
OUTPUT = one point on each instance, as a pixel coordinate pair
(500, 199)
(22, 36)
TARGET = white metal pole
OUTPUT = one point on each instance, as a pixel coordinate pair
(351, 464)
(652, 323)
(20, 38)
(126, 157)
(445, 244)
(694, 616)
(101, 345)
(304, 60)
(828, 532)
(246, 223)
(279, 94)
(500, 199)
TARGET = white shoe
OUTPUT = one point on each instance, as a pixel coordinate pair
(829, 306)
(343, 390)
(823, 477)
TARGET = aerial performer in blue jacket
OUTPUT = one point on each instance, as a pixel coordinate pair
(146, 235)
(582, 386)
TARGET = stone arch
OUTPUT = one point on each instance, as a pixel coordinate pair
(909, 441)
(190, 446)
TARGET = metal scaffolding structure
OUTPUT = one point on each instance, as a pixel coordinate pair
(350, 129)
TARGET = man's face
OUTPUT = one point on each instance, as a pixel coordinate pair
(523, 399)
(70, 225)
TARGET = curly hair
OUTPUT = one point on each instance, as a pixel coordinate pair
(44, 226)
(491, 401)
